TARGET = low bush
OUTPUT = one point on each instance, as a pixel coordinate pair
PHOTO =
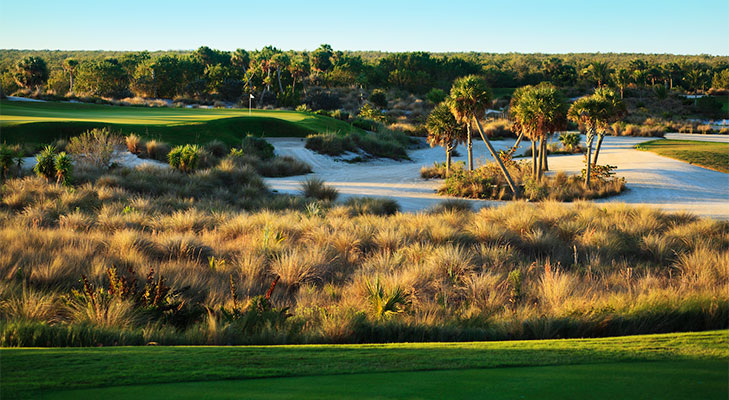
(157, 150)
(315, 188)
(135, 144)
(372, 205)
(95, 147)
(438, 169)
(11, 161)
(255, 146)
(386, 143)
(487, 182)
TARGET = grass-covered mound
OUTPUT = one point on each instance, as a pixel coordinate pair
(230, 269)
(44, 122)
(710, 155)
(385, 143)
(666, 366)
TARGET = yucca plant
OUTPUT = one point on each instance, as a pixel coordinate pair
(185, 158)
(385, 302)
(64, 168)
(46, 162)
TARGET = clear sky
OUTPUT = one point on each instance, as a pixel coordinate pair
(547, 26)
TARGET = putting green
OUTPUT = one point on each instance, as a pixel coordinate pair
(638, 380)
(46, 121)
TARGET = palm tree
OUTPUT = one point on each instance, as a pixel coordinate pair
(598, 72)
(621, 78)
(595, 113)
(611, 110)
(468, 99)
(540, 110)
(70, 65)
(280, 60)
(445, 131)
(241, 60)
(584, 111)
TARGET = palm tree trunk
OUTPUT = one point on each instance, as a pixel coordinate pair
(545, 163)
(70, 78)
(597, 148)
(540, 160)
(534, 158)
(518, 141)
(469, 146)
(621, 92)
(449, 149)
(278, 72)
(590, 138)
(498, 159)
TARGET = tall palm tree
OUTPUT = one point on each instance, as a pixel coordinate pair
(468, 99)
(540, 110)
(280, 60)
(621, 78)
(611, 109)
(584, 111)
(445, 131)
(69, 65)
(241, 60)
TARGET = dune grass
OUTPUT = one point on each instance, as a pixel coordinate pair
(658, 358)
(710, 155)
(43, 122)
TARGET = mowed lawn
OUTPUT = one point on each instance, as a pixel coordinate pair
(710, 155)
(42, 122)
(681, 365)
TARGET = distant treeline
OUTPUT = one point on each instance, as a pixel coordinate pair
(281, 77)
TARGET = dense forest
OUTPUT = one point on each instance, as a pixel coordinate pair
(282, 78)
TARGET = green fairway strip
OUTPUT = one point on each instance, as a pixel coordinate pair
(637, 380)
(710, 155)
(46, 121)
(27, 371)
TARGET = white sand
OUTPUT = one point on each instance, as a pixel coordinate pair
(652, 180)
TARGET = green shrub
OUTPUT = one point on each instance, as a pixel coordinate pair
(46, 163)
(378, 98)
(435, 96)
(255, 146)
(217, 148)
(185, 158)
(569, 140)
(365, 124)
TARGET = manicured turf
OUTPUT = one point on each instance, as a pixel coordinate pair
(638, 380)
(30, 372)
(42, 122)
(710, 155)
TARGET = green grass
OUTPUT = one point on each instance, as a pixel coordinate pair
(45, 122)
(640, 380)
(31, 372)
(710, 155)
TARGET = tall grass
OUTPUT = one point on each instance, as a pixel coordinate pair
(520, 271)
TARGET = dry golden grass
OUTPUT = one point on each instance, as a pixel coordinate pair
(582, 261)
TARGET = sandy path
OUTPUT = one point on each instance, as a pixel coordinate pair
(653, 180)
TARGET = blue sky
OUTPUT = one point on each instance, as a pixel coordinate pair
(680, 27)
